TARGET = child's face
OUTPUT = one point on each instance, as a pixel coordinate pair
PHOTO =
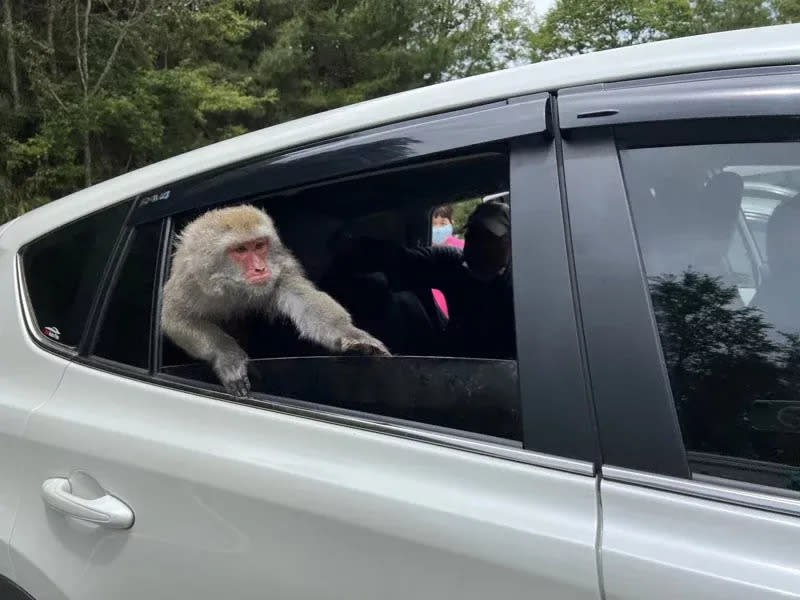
(441, 221)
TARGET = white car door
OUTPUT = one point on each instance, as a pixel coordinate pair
(233, 500)
(29, 375)
(207, 498)
(18, 397)
(696, 383)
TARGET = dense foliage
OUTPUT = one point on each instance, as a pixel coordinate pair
(580, 26)
(93, 88)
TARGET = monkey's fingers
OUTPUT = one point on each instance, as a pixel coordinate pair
(243, 386)
(239, 386)
(379, 350)
(369, 348)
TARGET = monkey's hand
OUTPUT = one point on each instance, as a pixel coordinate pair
(358, 341)
(232, 372)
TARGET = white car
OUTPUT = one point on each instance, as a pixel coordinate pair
(641, 442)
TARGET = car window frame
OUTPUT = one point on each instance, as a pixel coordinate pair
(28, 313)
(524, 124)
(115, 268)
(362, 152)
(637, 418)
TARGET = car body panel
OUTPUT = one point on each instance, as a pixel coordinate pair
(676, 546)
(29, 377)
(230, 497)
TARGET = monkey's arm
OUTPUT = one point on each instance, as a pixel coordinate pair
(205, 340)
(321, 319)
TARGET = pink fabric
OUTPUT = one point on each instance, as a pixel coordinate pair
(454, 241)
(437, 295)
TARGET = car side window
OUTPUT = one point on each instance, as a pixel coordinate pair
(452, 336)
(719, 233)
(63, 270)
(124, 334)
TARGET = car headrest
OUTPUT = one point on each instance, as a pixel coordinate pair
(783, 239)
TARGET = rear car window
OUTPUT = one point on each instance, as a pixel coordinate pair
(719, 232)
(63, 269)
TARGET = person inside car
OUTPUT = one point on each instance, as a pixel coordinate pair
(442, 234)
(442, 228)
(476, 281)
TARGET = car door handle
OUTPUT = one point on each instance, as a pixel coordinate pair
(106, 510)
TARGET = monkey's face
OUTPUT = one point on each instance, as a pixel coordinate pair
(250, 258)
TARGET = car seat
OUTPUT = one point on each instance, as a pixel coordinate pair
(778, 296)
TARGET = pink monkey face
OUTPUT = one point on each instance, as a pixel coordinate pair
(251, 258)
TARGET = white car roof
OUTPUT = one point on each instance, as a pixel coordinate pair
(743, 48)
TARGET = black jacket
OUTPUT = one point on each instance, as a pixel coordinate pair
(481, 323)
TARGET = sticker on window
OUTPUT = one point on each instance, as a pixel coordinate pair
(52, 332)
(154, 198)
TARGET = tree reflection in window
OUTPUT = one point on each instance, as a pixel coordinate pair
(735, 379)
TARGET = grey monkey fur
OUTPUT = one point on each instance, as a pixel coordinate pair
(206, 287)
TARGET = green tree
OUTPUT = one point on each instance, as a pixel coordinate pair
(580, 26)
(322, 55)
(727, 15)
(787, 11)
(98, 101)
(93, 88)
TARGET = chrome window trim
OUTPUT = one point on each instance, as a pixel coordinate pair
(748, 498)
(746, 485)
(453, 442)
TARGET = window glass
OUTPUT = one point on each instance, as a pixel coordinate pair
(125, 331)
(741, 261)
(719, 232)
(370, 244)
(63, 270)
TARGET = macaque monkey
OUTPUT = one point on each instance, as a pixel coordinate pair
(230, 261)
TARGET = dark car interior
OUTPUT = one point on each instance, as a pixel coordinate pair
(393, 205)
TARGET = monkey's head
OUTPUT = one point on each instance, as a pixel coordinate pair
(234, 246)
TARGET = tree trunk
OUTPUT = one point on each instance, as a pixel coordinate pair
(87, 157)
(51, 17)
(82, 58)
(8, 23)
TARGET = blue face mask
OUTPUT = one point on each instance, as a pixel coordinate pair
(441, 233)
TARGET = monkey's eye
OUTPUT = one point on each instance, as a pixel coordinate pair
(260, 245)
(240, 249)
